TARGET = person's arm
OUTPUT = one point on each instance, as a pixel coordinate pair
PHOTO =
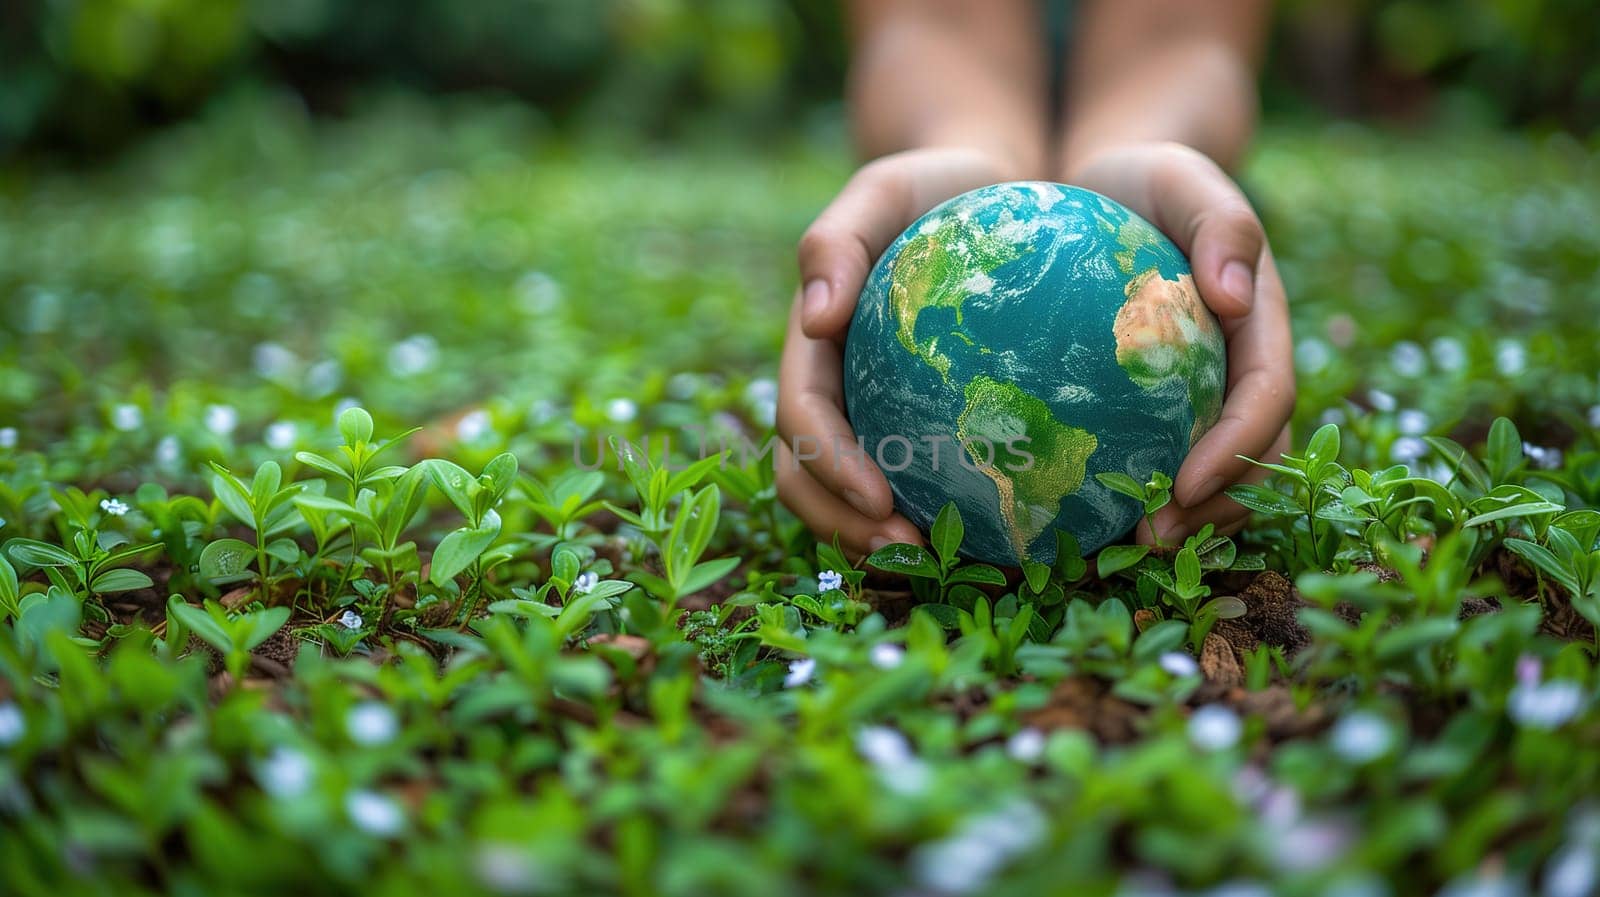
(946, 96)
(1160, 100)
(950, 73)
(1145, 71)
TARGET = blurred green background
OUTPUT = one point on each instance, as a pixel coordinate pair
(86, 75)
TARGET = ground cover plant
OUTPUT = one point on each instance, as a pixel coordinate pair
(354, 538)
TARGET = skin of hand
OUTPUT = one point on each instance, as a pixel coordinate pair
(834, 490)
(1190, 199)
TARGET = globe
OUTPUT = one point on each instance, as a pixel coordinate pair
(1013, 343)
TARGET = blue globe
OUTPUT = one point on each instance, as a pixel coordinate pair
(1014, 342)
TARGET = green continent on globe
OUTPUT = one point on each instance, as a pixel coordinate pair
(999, 417)
(943, 267)
(1165, 333)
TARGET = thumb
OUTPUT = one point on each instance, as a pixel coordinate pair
(1226, 250)
(838, 250)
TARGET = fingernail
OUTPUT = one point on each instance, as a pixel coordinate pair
(860, 503)
(1202, 492)
(876, 542)
(1239, 282)
(815, 299)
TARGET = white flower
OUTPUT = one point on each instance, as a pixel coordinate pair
(8, 437)
(1510, 358)
(374, 813)
(1594, 416)
(1380, 400)
(1179, 664)
(800, 672)
(285, 772)
(762, 397)
(506, 868)
(964, 861)
(541, 411)
(473, 426)
(1546, 706)
(761, 389)
(537, 292)
(621, 410)
(1311, 355)
(1448, 353)
(281, 435)
(323, 378)
(1361, 737)
(585, 583)
(1279, 806)
(127, 417)
(1026, 746)
(1333, 416)
(371, 724)
(828, 579)
(1214, 728)
(168, 451)
(221, 419)
(350, 620)
(1571, 872)
(886, 655)
(1541, 457)
(1413, 422)
(1407, 449)
(274, 361)
(683, 385)
(12, 724)
(114, 507)
(883, 746)
(1310, 844)
(1408, 359)
(413, 355)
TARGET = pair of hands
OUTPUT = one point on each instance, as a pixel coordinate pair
(1179, 190)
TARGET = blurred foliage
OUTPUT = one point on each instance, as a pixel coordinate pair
(84, 73)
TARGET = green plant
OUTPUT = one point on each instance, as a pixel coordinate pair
(233, 635)
(1152, 495)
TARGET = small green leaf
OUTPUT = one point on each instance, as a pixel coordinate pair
(120, 580)
(461, 547)
(1122, 484)
(226, 560)
(1117, 558)
(39, 554)
(947, 534)
(202, 624)
(355, 425)
(234, 495)
(983, 573)
(1265, 500)
(1524, 509)
(1227, 607)
(910, 560)
(948, 618)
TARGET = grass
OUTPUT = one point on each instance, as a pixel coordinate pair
(258, 641)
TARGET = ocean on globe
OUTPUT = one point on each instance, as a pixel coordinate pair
(1014, 342)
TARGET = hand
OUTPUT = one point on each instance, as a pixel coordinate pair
(1194, 203)
(833, 491)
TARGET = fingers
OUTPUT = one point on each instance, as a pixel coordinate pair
(827, 515)
(1175, 523)
(839, 248)
(813, 426)
(1207, 215)
(1260, 396)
